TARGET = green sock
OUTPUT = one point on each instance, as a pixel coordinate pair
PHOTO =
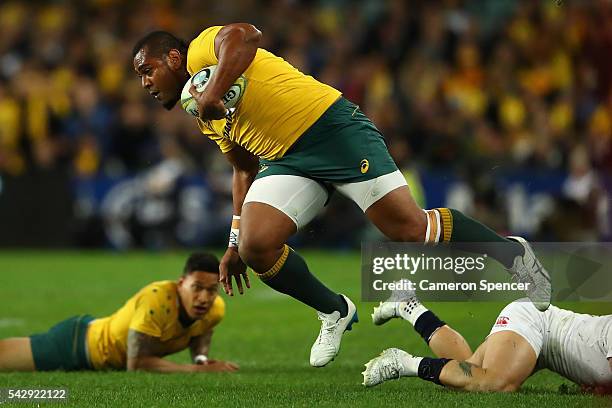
(458, 227)
(290, 275)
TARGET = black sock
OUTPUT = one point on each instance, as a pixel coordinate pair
(290, 275)
(465, 229)
(427, 324)
(430, 368)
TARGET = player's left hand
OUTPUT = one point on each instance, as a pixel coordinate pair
(232, 265)
(209, 108)
(218, 365)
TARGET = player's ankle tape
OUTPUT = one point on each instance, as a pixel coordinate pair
(427, 324)
(430, 369)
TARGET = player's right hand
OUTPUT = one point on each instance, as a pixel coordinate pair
(232, 265)
(217, 366)
(210, 108)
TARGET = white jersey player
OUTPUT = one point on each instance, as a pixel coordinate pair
(522, 341)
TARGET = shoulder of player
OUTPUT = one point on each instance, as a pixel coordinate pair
(202, 42)
(158, 302)
(219, 304)
(217, 311)
(205, 35)
(210, 33)
(160, 290)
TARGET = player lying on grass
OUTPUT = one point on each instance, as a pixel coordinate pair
(162, 318)
(522, 341)
(308, 141)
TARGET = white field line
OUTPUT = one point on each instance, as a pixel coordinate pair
(11, 322)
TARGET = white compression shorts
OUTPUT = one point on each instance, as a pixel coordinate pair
(301, 198)
(524, 319)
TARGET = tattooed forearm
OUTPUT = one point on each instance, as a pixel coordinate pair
(201, 344)
(146, 352)
(140, 345)
(466, 368)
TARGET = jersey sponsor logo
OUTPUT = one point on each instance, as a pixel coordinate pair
(262, 168)
(502, 321)
(364, 166)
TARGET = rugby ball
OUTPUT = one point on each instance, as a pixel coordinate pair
(200, 79)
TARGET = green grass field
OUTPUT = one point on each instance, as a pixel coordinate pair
(268, 334)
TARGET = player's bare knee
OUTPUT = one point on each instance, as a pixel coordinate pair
(497, 384)
(511, 387)
(504, 386)
(250, 251)
(257, 252)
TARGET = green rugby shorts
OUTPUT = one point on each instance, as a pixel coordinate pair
(342, 146)
(63, 346)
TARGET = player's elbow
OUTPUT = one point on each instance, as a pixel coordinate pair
(252, 34)
(132, 364)
(248, 32)
(138, 364)
(243, 161)
(247, 169)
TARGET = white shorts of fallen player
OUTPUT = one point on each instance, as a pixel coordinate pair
(575, 345)
(301, 198)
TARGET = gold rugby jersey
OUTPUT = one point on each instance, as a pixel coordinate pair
(279, 104)
(153, 311)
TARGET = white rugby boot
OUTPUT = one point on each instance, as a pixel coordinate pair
(392, 364)
(528, 269)
(403, 303)
(327, 344)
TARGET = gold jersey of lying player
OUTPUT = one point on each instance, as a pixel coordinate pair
(154, 311)
(279, 104)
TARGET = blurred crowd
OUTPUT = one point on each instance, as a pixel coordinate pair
(472, 88)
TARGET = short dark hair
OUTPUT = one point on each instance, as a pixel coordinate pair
(158, 43)
(201, 261)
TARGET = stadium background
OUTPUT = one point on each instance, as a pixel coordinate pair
(499, 108)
